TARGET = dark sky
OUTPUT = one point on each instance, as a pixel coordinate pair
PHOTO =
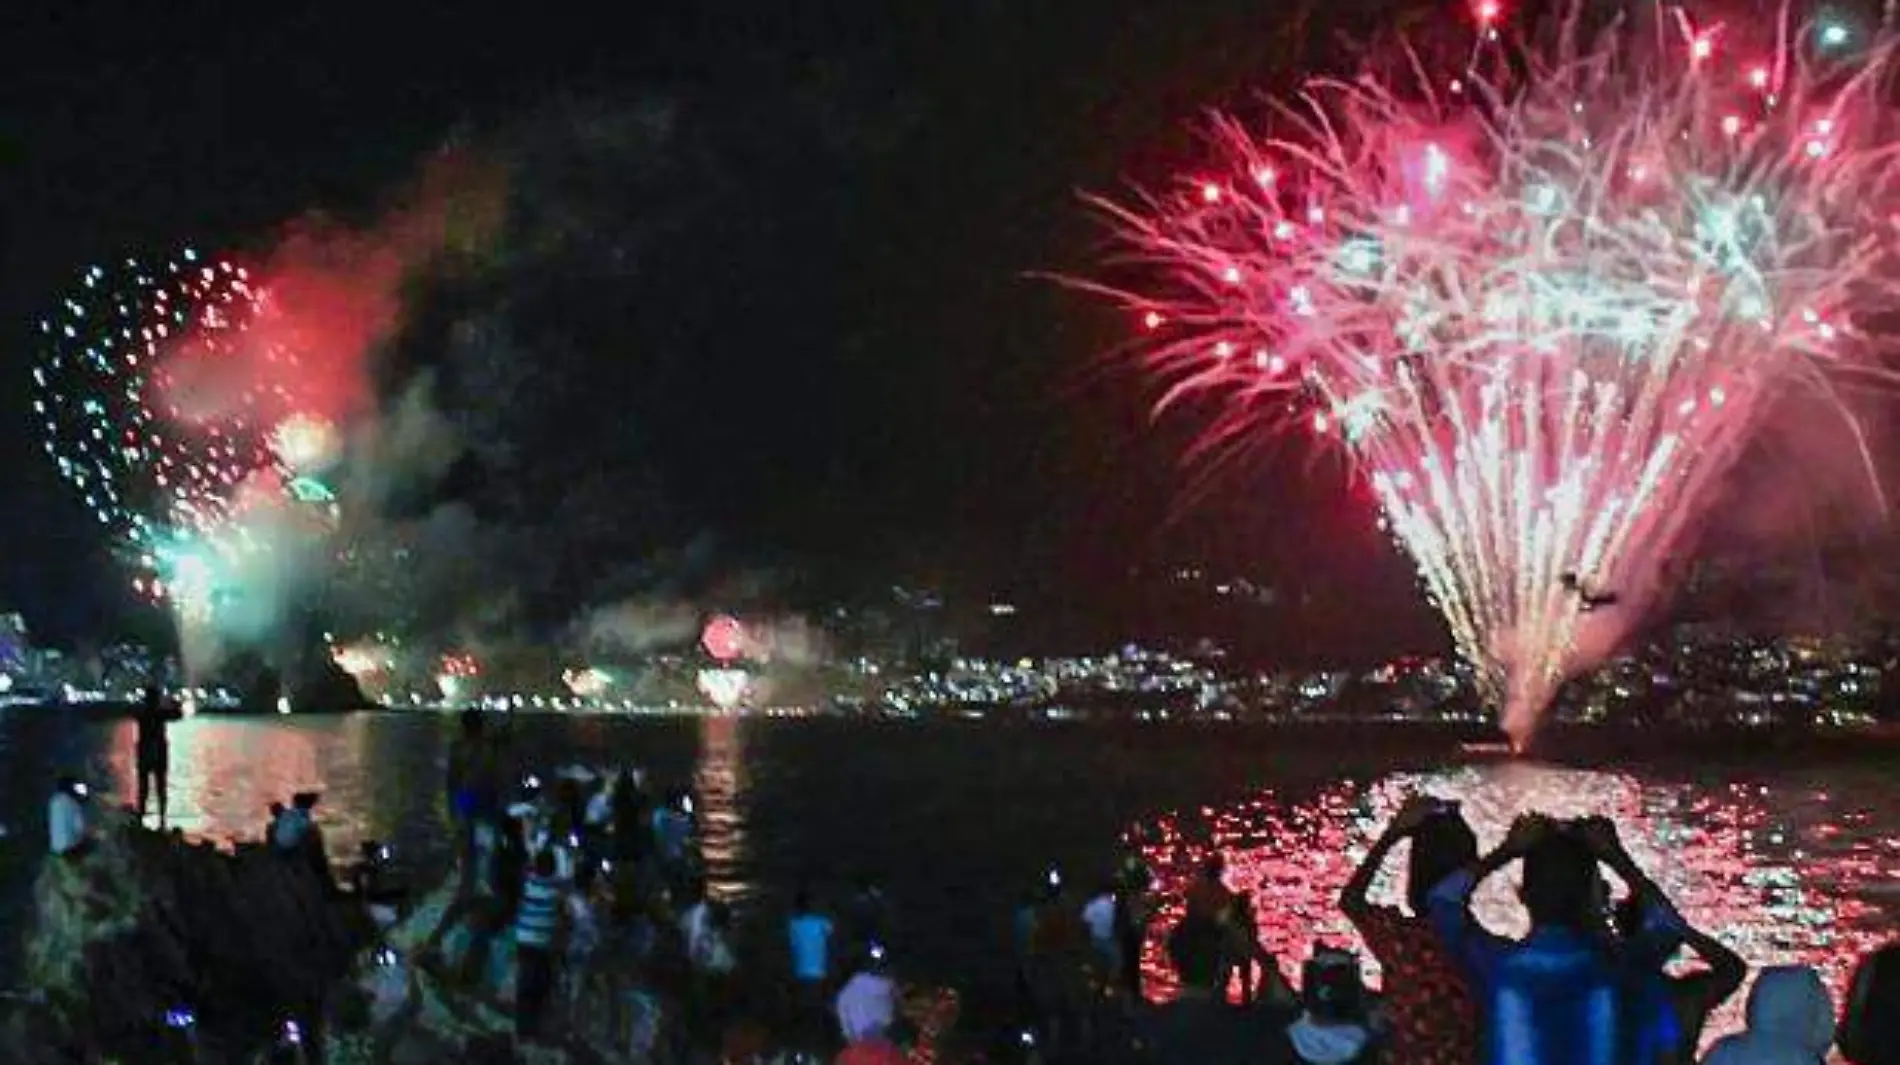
(854, 375)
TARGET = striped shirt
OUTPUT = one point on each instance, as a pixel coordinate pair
(540, 912)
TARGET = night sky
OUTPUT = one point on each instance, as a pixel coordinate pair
(822, 349)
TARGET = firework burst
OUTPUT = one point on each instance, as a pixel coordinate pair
(116, 391)
(1542, 300)
(177, 419)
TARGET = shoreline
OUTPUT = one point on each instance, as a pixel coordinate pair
(1558, 741)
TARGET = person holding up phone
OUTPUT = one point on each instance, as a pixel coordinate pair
(1558, 995)
(154, 749)
(1430, 1011)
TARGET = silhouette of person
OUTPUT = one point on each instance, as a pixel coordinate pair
(154, 749)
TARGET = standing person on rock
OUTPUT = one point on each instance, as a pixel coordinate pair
(154, 749)
(809, 934)
(1132, 904)
(473, 784)
(537, 925)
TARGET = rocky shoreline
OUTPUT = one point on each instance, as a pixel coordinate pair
(152, 948)
(147, 947)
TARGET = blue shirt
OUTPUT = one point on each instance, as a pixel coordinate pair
(1552, 998)
(672, 830)
(810, 936)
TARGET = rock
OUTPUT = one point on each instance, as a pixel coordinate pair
(324, 688)
(147, 940)
(423, 1008)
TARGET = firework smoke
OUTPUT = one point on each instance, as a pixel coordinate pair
(335, 296)
(637, 627)
(1543, 297)
(450, 467)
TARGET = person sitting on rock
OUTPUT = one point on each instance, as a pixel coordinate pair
(288, 827)
(67, 830)
(296, 834)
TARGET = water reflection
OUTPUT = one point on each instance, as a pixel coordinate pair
(1781, 870)
(719, 779)
(225, 773)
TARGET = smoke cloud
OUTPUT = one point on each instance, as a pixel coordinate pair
(335, 298)
(638, 627)
(493, 494)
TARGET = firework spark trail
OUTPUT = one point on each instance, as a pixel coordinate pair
(176, 402)
(156, 393)
(107, 393)
(1543, 310)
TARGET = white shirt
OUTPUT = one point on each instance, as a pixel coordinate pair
(867, 1007)
(1099, 915)
(65, 821)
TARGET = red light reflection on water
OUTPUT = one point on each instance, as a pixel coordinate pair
(1781, 872)
(720, 779)
(225, 773)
